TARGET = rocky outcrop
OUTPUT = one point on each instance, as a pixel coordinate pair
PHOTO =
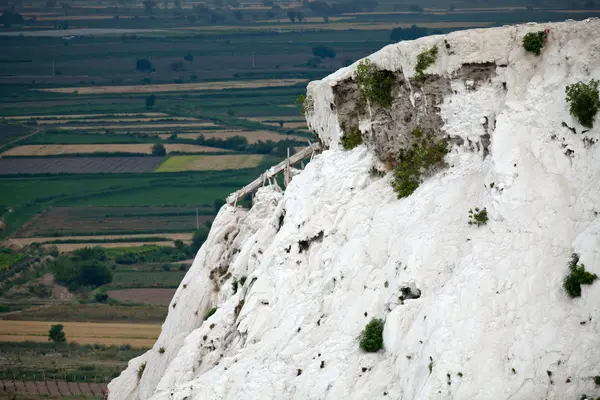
(471, 311)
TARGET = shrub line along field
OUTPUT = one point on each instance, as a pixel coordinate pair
(177, 87)
(137, 335)
(186, 237)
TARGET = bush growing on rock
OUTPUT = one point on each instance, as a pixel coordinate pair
(577, 276)
(141, 369)
(210, 313)
(371, 338)
(534, 42)
(426, 154)
(478, 217)
(424, 60)
(306, 103)
(584, 101)
(374, 85)
(351, 139)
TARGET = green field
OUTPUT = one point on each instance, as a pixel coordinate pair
(207, 163)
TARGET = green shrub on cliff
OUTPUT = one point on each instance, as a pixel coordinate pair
(374, 85)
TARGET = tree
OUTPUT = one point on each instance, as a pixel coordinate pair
(179, 245)
(177, 4)
(415, 8)
(270, 14)
(177, 66)
(281, 124)
(149, 5)
(414, 32)
(150, 101)
(268, 3)
(238, 15)
(198, 240)
(324, 51)
(94, 273)
(292, 15)
(218, 204)
(159, 150)
(10, 18)
(56, 334)
(300, 16)
(189, 57)
(451, 7)
(143, 65)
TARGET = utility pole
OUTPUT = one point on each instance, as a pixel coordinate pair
(197, 223)
(252, 59)
(52, 68)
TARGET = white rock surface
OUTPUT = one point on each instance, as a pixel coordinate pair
(492, 306)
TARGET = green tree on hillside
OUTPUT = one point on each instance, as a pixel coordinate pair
(150, 101)
(159, 150)
(198, 240)
(56, 334)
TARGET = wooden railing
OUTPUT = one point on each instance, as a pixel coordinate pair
(272, 172)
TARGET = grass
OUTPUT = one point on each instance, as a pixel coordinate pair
(207, 163)
(9, 259)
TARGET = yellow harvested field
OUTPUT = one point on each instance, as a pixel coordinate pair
(163, 125)
(137, 335)
(208, 163)
(179, 87)
(73, 116)
(122, 120)
(54, 149)
(133, 238)
(252, 136)
(343, 26)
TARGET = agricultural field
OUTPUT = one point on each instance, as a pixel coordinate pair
(136, 335)
(12, 132)
(182, 87)
(78, 165)
(205, 163)
(56, 223)
(63, 149)
(161, 297)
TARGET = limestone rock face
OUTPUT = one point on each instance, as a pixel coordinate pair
(470, 312)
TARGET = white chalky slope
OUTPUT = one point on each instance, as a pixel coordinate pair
(492, 306)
